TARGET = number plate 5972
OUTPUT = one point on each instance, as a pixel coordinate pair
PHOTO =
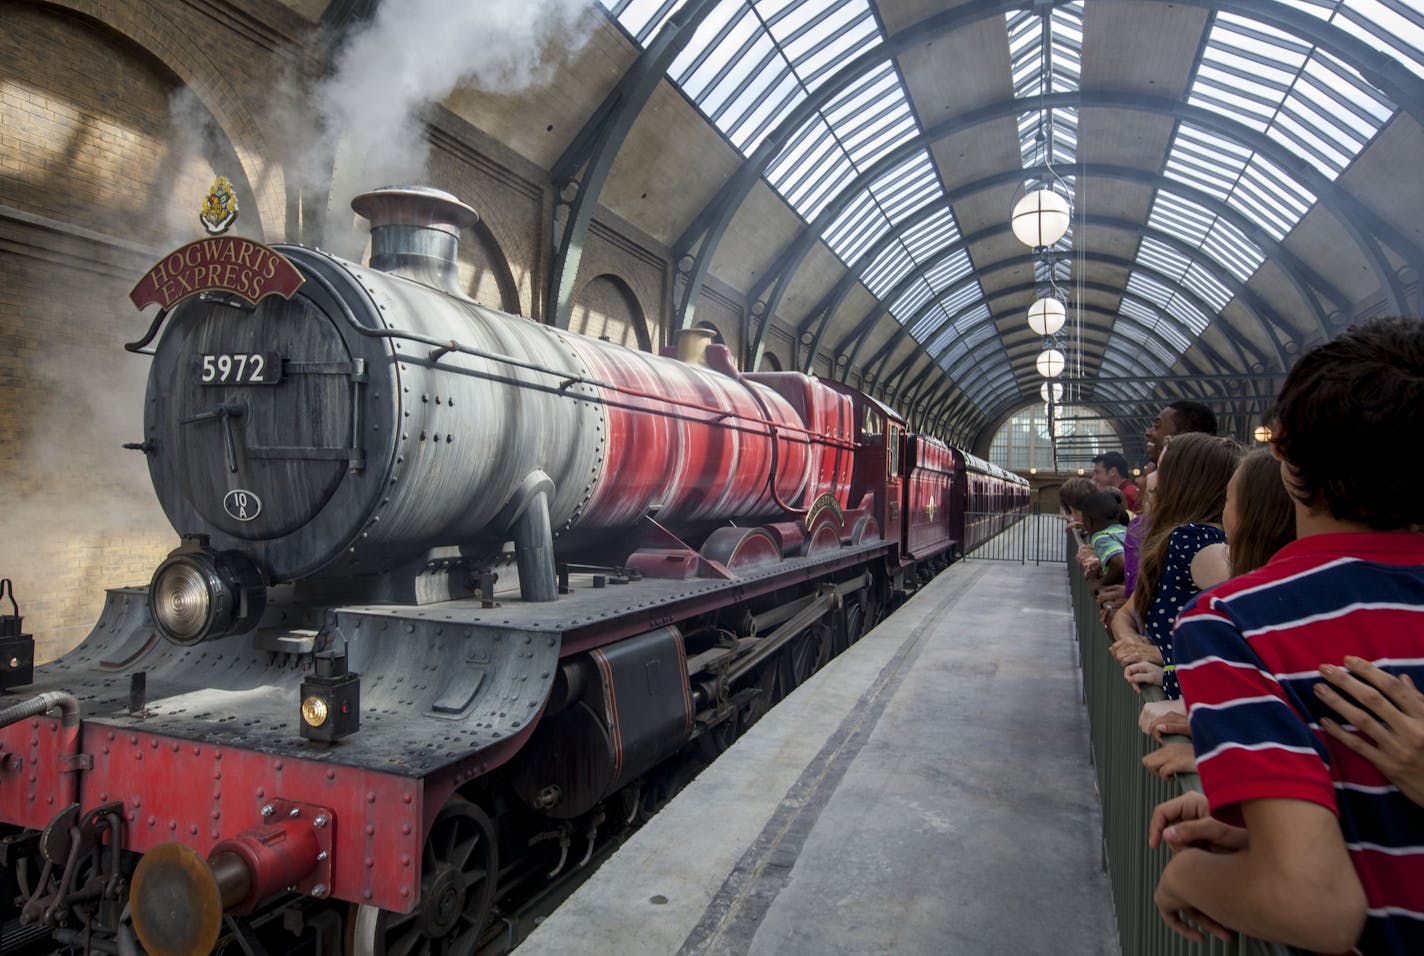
(239, 368)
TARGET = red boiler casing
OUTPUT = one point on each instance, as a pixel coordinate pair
(700, 445)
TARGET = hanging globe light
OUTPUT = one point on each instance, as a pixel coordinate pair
(1047, 315)
(1050, 363)
(1051, 391)
(1040, 218)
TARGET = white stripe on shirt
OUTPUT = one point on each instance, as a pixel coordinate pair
(1256, 748)
(1331, 615)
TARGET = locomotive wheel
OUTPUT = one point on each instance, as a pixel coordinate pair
(854, 622)
(761, 703)
(460, 864)
(716, 740)
(806, 655)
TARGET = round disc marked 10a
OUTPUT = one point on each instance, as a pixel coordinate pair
(242, 505)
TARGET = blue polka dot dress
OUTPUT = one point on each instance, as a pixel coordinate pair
(1174, 590)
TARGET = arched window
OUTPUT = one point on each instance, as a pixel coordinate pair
(1024, 441)
(608, 309)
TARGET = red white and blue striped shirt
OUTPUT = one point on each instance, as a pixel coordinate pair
(1248, 656)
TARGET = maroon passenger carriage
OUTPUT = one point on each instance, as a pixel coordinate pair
(453, 589)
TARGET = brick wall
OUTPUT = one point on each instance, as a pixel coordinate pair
(95, 183)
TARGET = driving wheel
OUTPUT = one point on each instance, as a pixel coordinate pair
(459, 866)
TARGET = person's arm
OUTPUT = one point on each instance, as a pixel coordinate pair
(1210, 566)
(1112, 571)
(1292, 882)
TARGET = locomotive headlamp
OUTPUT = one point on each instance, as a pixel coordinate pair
(198, 594)
(314, 710)
(331, 699)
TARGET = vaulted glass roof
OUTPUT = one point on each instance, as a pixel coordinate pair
(1269, 119)
(751, 63)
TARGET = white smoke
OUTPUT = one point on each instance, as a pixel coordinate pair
(414, 53)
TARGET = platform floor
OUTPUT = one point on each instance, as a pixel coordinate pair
(928, 792)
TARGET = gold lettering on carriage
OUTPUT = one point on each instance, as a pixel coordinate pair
(231, 264)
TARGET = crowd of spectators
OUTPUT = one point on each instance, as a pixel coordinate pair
(1277, 599)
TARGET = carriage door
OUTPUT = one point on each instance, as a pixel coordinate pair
(894, 483)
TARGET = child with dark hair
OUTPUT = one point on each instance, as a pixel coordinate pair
(1105, 522)
(1071, 495)
(1329, 853)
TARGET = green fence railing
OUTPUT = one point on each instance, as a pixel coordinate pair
(1024, 538)
(1129, 793)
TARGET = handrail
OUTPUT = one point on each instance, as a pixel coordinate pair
(1129, 793)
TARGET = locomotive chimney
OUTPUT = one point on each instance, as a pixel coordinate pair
(692, 345)
(415, 233)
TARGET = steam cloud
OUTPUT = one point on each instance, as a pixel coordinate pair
(413, 53)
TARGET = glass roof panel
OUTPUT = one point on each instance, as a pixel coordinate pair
(1127, 356)
(911, 300)
(1191, 318)
(1299, 96)
(642, 18)
(1169, 261)
(858, 226)
(896, 260)
(768, 112)
(1250, 183)
(949, 270)
(1207, 286)
(1396, 25)
(1198, 226)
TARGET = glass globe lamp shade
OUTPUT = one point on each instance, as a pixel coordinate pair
(1050, 363)
(1262, 433)
(1051, 391)
(1040, 218)
(1046, 316)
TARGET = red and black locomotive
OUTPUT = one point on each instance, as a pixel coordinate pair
(452, 588)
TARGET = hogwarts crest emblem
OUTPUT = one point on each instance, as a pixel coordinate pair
(219, 208)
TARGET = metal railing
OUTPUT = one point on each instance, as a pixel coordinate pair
(1129, 792)
(1036, 538)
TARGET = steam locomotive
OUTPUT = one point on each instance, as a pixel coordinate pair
(452, 588)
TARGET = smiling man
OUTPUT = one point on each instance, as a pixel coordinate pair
(1178, 418)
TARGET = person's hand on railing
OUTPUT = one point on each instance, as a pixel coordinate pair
(1110, 599)
(1132, 650)
(1141, 674)
(1173, 725)
(1186, 821)
(1392, 717)
(1159, 712)
(1086, 554)
(1169, 760)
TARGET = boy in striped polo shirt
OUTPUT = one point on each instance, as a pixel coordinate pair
(1331, 857)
